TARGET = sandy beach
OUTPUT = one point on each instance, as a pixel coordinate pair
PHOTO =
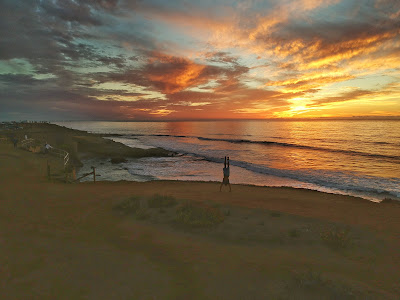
(68, 241)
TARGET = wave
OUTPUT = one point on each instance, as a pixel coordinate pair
(340, 181)
(351, 152)
(282, 144)
(333, 180)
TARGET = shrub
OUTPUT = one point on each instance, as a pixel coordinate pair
(130, 205)
(336, 238)
(313, 285)
(142, 214)
(294, 233)
(198, 216)
(275, 214)
(309, 279)
(159, 201)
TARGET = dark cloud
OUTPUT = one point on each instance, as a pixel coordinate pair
(81, 12)
(18, 79)
(221, 57)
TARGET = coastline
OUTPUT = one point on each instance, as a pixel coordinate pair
(79, 144)
(112, 158)
(255, 163)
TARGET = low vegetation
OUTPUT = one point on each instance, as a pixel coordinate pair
(142, 214)
(313, 285)
(161, 201)
(294, 233)
(336, 238)
(275, 214)
(129, 206)
(194, 215)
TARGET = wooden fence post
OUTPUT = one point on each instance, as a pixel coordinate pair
(48, 171)
(94, 174)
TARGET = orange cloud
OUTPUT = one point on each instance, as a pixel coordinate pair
(306, 82)
(172, 74)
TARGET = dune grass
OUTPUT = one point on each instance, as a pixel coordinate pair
(195, 215)
(336, 238)
(161, 201)
(128, 206)
(312, 284)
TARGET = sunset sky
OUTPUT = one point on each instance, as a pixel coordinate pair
(138, 60)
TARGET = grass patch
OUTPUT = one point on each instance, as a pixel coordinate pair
(129, 206)
(142, 214)
(198, 215)
(309, 279)
(312, 285)
(161, 201)
(336, 238)
(275, 214)
(294, 233)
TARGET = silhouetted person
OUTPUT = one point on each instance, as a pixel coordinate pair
(225, 181)
(15, 142)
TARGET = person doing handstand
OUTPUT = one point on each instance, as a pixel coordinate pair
(225, 181)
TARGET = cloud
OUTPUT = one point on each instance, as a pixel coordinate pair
(343, 97)
(310, 81)
(151, 59)
(172, 74)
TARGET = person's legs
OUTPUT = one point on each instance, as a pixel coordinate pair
(230, 189)
(224, 175)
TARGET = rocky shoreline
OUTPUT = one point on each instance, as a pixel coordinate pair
(79, 144)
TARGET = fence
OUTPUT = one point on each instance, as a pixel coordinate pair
(55, 151)
(61, 153)
(87, 174)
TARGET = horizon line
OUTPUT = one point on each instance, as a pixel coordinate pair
(361, 118)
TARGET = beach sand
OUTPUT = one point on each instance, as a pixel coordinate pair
(67, 241)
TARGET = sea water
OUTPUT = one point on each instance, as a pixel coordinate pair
(354, 157)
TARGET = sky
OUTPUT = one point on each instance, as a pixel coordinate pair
(173, 60)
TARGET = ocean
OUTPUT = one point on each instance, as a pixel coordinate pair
(352, 157)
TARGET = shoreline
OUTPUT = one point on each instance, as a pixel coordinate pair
(335, 181)
(83, 145)
(119, 171)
